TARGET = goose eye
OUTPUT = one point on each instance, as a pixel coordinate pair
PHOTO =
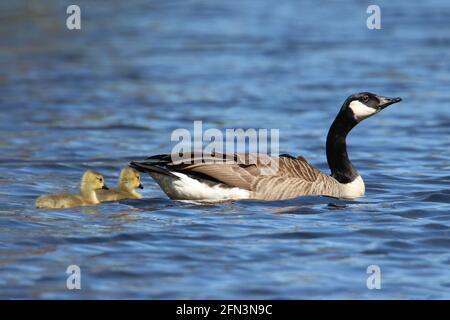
(365, 98)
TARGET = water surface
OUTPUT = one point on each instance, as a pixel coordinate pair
(114, 91)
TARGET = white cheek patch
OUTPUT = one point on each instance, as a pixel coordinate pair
(360, 110)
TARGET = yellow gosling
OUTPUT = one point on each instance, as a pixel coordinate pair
(129, 180)
(90, 182)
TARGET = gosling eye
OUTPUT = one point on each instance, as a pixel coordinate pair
(100, 179)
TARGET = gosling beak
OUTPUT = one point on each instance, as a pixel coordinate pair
(105, 187)
(384, 101)
(140, 186)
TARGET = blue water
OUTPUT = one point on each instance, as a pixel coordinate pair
(114, 91)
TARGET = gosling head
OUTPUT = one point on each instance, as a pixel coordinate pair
(93, 181)
(130, 179)
(360, 106)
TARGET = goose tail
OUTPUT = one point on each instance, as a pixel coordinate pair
(151, 167)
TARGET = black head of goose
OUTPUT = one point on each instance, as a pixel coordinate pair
(191, 179)
(355, 109)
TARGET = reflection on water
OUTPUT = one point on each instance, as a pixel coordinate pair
(114, 91)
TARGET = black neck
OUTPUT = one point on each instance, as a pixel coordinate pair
(341, 167)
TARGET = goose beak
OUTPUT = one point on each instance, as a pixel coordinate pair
(385, 102)
(140, 186)
(105, 187)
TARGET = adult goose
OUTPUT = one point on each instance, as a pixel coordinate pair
(255, 177)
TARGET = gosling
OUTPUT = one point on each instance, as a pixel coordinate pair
(90, 182)
(129, 180)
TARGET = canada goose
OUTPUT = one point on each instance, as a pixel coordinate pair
(248, 178)
(129, 179)
(90, 181)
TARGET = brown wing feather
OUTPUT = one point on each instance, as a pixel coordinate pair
(247, 168)
(295, 178)
(269, 178)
